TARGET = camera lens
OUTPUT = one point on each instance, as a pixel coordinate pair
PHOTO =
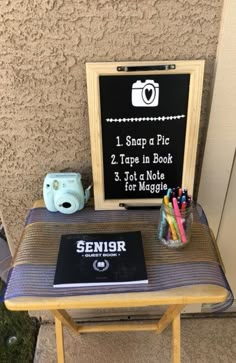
(66, 205)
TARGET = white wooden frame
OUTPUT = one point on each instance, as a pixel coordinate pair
(196, 70)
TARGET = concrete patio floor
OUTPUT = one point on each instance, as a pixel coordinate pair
(204, 340)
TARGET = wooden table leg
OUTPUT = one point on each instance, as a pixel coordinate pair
(62, 317)
(176, 339)
(171, 313)
(65, 318)
(59, 340)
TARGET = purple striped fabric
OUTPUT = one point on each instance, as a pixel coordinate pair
(89, 215)
(37, 280)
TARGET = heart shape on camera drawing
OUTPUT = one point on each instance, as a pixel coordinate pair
(148, 93)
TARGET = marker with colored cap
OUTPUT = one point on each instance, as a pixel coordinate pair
(179, 220)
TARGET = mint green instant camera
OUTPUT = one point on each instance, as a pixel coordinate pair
(63, 192)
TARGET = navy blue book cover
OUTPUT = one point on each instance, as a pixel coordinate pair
(100, 259)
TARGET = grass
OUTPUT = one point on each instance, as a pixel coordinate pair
(18, 334)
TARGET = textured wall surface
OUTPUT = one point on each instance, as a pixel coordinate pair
(44, 47)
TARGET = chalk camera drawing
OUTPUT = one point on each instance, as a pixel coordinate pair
(145, 94)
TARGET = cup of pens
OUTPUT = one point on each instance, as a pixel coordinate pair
(176, 218)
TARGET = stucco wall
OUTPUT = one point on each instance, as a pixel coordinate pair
(44, 47)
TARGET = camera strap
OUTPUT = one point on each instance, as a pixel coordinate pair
(87, 193)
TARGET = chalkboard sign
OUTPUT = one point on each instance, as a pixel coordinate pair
(144, 121)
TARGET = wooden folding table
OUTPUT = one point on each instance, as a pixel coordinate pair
(176, 299)
(197, 276)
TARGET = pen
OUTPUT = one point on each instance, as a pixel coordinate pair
(177, 191)
(166, 200)
(173, 221)
(185, 191)
(183, 198)
(179, 202)
(169, 220)
(163, 224)
(183, 206)
(169, 191)
(179, 221)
